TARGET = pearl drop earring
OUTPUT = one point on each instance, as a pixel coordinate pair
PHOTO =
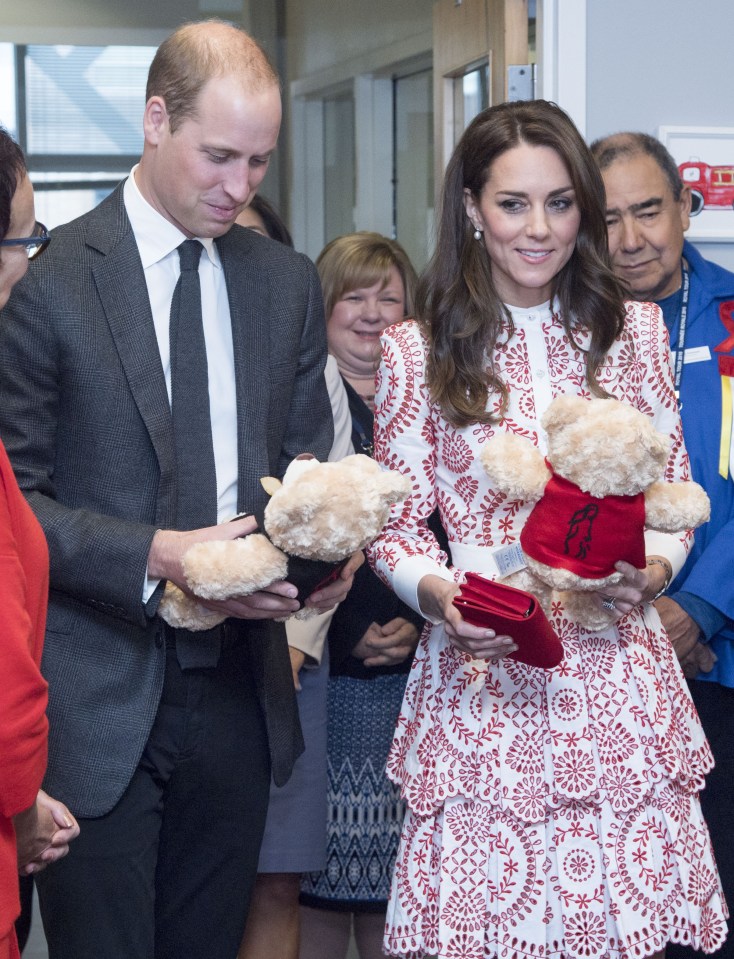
(477, 233)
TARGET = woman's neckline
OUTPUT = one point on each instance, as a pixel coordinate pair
(544, 308)
(363, 386)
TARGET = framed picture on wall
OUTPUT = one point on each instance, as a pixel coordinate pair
(705, 158)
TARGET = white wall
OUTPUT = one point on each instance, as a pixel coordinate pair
(346, 47)
(347, 37)
(94, 21)
(661, 62)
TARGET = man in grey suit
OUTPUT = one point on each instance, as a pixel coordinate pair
(163, 741)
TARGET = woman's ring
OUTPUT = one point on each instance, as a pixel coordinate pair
(608, 603)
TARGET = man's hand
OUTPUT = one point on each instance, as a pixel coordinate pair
(165, 562)
(169, 545)
(387, 645)
(43, 833)
(683, 632)
(329, 596)
(701, 659)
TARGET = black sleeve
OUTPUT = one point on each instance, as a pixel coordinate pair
(369, 601)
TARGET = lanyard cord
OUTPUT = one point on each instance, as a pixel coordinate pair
(681, 348)
(365, 443)
(361, 427)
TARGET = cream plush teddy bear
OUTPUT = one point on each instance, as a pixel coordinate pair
(321, 513)
(596, 492)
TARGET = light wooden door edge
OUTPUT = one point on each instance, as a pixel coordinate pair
(466, 35)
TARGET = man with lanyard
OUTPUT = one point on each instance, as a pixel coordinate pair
(648, 212)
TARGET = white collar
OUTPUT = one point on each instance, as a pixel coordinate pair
(156, 236)
(542, 310)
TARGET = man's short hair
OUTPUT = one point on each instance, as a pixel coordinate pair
(195, 54)
(629, 144)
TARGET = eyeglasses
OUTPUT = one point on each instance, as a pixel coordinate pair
(34, 245)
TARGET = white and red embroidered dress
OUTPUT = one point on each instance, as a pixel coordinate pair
(551, 813)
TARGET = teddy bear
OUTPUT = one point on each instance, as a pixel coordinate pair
(596, 491)
(315, 519)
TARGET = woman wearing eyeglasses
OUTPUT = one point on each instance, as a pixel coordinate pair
(34, 829)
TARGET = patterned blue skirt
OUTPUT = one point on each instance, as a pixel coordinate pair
(365, 812)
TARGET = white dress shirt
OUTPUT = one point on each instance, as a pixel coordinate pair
(158, 241)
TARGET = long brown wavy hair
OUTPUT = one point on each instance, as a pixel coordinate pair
(457, 303)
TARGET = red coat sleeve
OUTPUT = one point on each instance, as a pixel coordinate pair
(23, 596)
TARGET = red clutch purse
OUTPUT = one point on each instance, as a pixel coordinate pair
(512, 612)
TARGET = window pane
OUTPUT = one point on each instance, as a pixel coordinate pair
(339, 166)
(61, 197)
(86, 100)
(414, 212)
(475, 90)
(7, 89)
(471, 95)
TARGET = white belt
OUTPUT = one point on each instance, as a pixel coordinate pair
(475, 559)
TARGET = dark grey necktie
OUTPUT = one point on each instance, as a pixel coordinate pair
(196, 479)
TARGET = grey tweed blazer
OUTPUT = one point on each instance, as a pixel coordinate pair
(84, 415)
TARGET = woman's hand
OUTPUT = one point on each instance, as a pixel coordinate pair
(43, 833)
(436, 598)
(636, 586)
(387, 645)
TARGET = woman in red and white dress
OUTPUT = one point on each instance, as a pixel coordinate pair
(550, 813)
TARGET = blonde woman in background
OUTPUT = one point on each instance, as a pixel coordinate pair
(294, 840)
(368, 283)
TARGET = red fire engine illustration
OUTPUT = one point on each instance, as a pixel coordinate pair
(712, 187)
